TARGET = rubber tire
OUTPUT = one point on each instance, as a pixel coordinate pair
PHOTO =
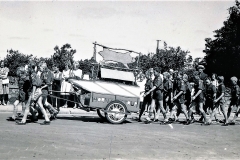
(107, 108)
(100, 114)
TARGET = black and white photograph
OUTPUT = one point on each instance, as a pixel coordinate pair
(120, 80)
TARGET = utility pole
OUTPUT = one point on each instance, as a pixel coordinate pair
(157, 46)
(94, 51)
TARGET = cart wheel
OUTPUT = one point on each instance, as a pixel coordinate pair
(116, 106)
(101, 114)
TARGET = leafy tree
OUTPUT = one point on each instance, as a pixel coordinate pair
(169, 58)
(166, 58)
(145, 62)
(15, 59)
(88, 66)
(189, 59)
(63, 55)
(223, 52)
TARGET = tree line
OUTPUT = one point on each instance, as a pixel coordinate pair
(169, 57)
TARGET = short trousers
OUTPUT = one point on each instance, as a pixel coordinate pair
(148, 99)
(22, 96)
(158, 95)
(168, 103)
(180, 99)
(210, 104)
(234, 101)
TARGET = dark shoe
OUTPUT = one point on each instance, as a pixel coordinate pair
(20, 123)
(45, 123)
(171, 119)
(232, 123)
(10, 119)
(139, 120)
(34, 120)
(52, 118)
(188, 122)
(200, 119)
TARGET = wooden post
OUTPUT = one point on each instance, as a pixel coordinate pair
(138, 60)
(157, 46)
(94, 51)
(92, 71)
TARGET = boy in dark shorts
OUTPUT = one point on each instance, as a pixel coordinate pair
(219, 101)
(210, 96)
(179, 98)
(157, 95)
(167, 92)
(148, 98)
(198, 97)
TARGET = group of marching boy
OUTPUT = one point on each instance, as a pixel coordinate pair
(33, 94)
(170, 92)
(173, 92)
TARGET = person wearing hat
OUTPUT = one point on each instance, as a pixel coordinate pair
(197, 98)
(235, 93)
(202, 75)
(157, 99)
(219, 101)
(210, 95)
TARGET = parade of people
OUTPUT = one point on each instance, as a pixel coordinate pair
(198, 93)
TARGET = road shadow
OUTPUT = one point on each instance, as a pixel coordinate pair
(93, 119)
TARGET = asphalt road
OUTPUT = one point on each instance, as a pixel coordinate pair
(88, 137)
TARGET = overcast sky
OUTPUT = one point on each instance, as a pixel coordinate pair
(37, 27)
